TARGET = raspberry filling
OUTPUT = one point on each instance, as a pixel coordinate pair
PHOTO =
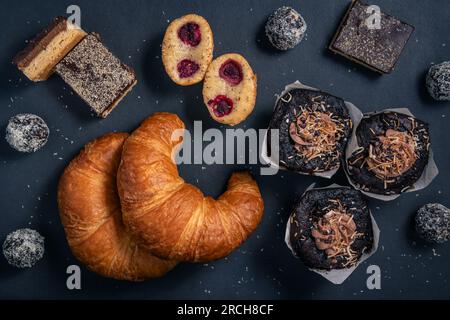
(221, 105)
(190, 34)
(231, 72)
(186, 68)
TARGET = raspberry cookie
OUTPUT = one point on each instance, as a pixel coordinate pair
(229, 90)
(187, 49)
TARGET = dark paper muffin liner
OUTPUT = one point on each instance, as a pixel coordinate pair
(337, 276)
(429, 173)
(274, 161)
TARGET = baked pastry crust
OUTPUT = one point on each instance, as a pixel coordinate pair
(243, 94)
(171, 217)
(90, 212)
(174, 50)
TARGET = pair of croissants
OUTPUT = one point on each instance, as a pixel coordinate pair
(128, 215)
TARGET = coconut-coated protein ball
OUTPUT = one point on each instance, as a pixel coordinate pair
(27, 132)
(438, 81)
(285, 28)
(23, 248)
(433, 223)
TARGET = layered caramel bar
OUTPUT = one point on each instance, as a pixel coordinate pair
(47, 48)
(96, 75)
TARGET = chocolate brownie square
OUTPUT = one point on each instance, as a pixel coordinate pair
(360, 40)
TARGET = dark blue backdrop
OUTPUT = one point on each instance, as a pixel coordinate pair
(263, 267)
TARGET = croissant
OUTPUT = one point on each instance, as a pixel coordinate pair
(89, 208)
(173, 218)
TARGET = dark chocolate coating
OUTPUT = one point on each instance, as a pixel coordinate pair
(310, 207)
(365, 179)
(378, 49)
(284, 115)
(433, 223)
(39, 42)
(27, 132)
(438, 81)
(23, 248)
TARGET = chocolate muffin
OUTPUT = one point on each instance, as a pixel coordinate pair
(392, 154)
(314, 127)
(331, 228)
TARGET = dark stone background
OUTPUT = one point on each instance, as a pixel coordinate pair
(263, 267)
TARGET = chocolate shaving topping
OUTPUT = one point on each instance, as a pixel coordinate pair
(392, 154)
(335, 233)
(315, 133)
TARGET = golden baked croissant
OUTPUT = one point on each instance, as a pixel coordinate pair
(173, 218)
(90, 212)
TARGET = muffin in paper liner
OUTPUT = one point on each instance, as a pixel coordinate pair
(274, 160)
(429, 172)
(338, 276)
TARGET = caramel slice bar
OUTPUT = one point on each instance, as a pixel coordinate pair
(96, 75)
(39, 58)
(375, 47)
